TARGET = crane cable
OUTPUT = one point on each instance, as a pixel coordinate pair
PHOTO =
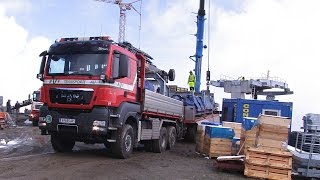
(209, 35)
(208, 71)
(140, 23)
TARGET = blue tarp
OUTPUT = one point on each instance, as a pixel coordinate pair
(219, 132)
(210, 123)
(235, 140)
(249, 122)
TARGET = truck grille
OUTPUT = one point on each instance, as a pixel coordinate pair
(71, 95)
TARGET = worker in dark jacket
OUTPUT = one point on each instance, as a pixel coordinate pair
(17, 107)
(9, 108)
(191, 80)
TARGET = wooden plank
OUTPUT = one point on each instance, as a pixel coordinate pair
(271, 135)
(274, 120)
(268, 159)
(274, 129)
(262, 142)
(237, 127)
(258, 171)
(266, 151)
(255, 171)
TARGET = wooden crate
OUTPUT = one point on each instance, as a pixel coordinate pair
(214, 147)
(248, 139)
(180, 89)
(200, 141)
(258, 171)
(271, 135)
(274, 120)
(271, 145)
(237, 127)
(276, 159)
(173, 88)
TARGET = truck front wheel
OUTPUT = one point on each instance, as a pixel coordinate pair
(61, 144)
(124, 144)
(160, 145)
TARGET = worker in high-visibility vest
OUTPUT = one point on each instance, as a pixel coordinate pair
(191, 81)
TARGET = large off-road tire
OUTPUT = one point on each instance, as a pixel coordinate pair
(123, 146)
(61, 144)
(35, 123)
(171, 137)
(160, 145)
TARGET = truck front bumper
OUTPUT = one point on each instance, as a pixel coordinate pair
(77, 123)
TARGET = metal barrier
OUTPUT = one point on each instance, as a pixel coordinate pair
(308, 157)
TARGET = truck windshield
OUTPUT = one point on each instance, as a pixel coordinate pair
(36, 96)
(77, 64)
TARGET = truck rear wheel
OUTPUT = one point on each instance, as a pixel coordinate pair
(160, 145)
(191, 133)
(172, 137)
(124, 143)
(61, 144)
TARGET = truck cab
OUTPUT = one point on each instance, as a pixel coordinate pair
(35, 107)
(93, 92)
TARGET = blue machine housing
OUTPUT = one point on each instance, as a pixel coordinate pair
(203, 103)
(234, 110)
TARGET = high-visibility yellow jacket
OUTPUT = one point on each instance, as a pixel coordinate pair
(192, 78)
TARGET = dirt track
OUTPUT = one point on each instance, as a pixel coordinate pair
(25, 154)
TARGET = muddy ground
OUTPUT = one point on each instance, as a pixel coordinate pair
(25, 154)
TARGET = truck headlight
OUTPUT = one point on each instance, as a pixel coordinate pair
(99, 123)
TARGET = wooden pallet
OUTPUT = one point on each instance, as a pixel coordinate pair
(258, 171)
(214, 147)
(276, 159)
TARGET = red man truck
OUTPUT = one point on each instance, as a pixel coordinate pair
(98, 91)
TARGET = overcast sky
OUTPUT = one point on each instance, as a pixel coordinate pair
(248, 38)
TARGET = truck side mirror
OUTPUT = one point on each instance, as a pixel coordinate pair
(44, 53)
(124, 66)
(43, 62)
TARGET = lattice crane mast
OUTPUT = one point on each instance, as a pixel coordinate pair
(122, 20)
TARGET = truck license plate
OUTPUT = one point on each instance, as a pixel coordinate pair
(67, 120)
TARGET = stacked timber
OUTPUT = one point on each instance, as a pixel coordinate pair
(249, 134)
(235, 126)
(236, 140)
(217, 141)
(270, 158)
(266, 164)
(200, 138)
(273, 133)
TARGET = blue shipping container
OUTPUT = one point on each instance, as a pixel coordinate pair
(234, 110)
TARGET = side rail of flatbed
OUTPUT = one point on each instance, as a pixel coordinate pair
(156, 104)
